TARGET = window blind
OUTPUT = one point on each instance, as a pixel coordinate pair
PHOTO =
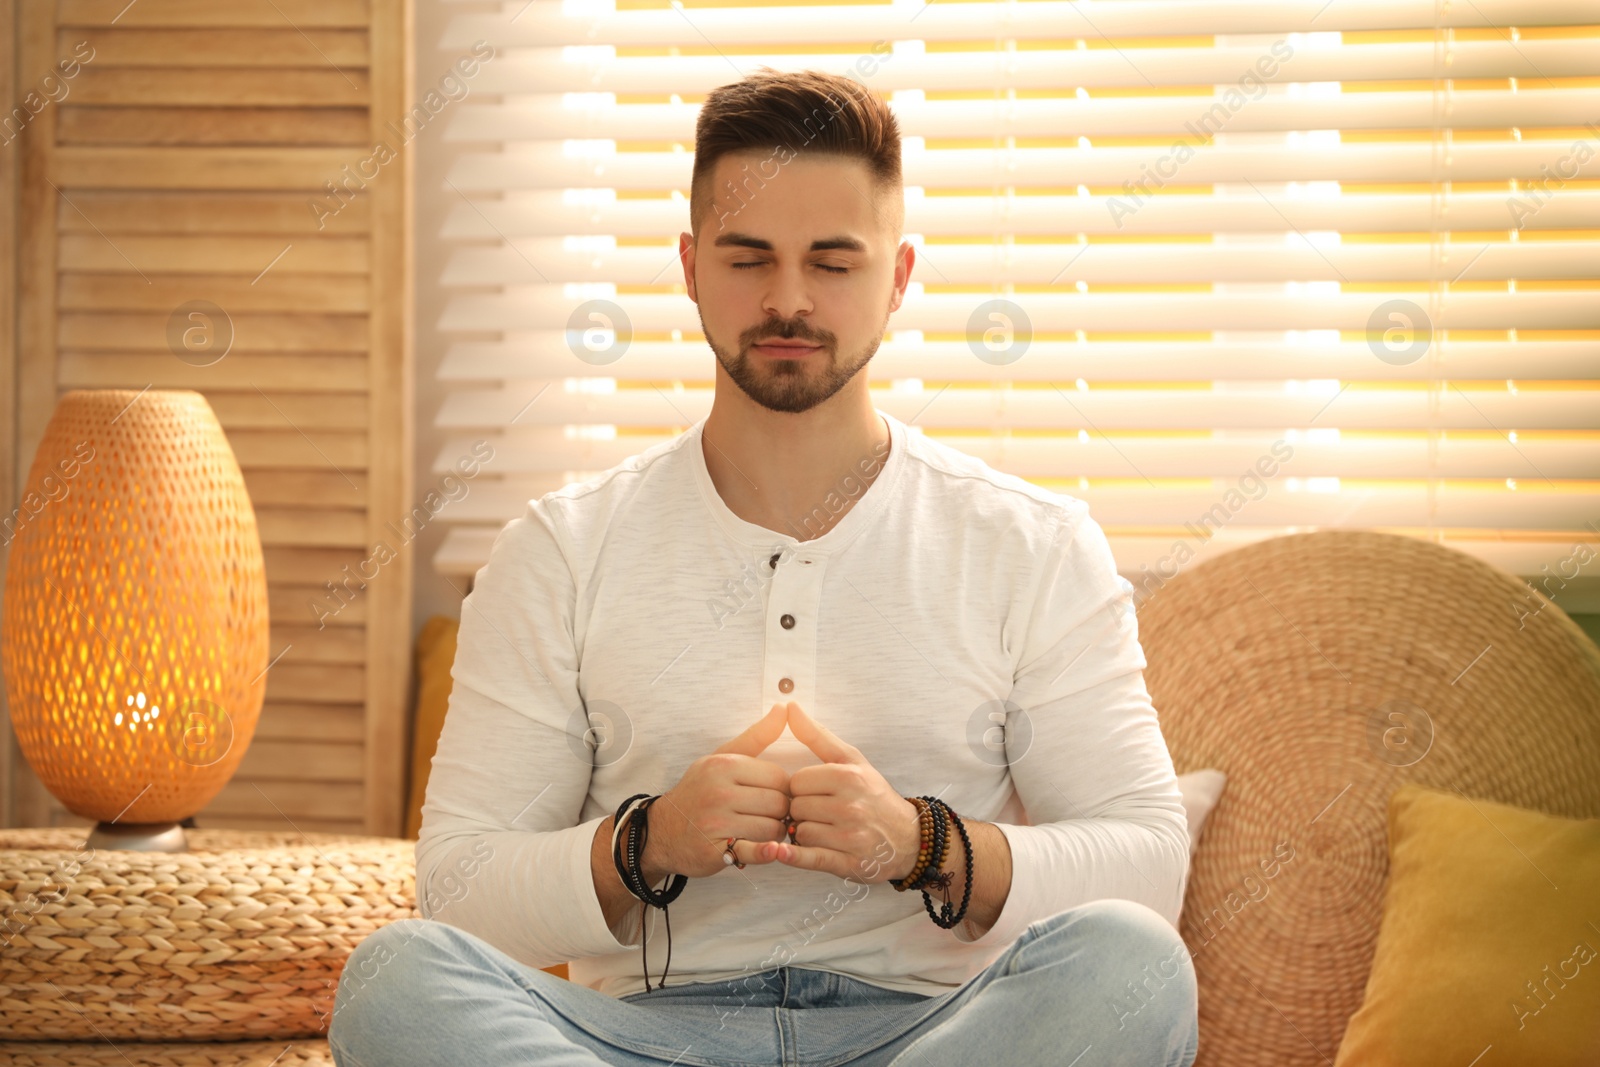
(1222, 270)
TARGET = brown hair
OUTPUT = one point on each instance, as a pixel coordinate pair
(785, 114)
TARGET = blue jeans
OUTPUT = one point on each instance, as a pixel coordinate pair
(1108, 982)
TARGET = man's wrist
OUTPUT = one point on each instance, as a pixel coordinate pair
(652, 866)
(655, 872)
(910, 843)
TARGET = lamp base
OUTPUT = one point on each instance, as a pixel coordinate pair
(139, 836)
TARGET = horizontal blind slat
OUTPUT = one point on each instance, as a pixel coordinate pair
(1192, 117)
(547, 167)
(1067, 410)
(543, 21)
(545, 354)
(543, 213)
(531, 455)
(1047, 264)
(535, 307)
(1536, 62)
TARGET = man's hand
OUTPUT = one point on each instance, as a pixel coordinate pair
(850, 821)
(730, 793)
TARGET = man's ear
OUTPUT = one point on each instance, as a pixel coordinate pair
(686, 256)
(904, 257)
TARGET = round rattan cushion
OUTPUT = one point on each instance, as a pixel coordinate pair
(1319, 671)
(310, 1053)
(242, 937)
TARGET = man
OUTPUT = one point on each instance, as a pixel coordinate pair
(921, 624)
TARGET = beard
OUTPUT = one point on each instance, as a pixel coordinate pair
(792, 385)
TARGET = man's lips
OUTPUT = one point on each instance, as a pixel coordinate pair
(787, 347)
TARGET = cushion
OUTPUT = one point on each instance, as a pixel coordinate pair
(435, 656)
(1490, 939)
(1201, 789)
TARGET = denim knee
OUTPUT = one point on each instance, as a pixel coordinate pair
(1144, 960)
(383, 969)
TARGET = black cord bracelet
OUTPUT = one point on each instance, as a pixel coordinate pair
(633, 839)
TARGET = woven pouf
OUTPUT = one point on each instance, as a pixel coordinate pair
(1319, 672)
(311, 1053)
(242, 937)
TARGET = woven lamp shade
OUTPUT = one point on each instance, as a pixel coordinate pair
(135, 621)
(1319, 672)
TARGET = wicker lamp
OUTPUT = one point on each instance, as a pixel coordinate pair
(135, 620)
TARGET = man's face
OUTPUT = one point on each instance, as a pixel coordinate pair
(796, 251)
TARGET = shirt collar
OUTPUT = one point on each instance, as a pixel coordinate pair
(868, 505)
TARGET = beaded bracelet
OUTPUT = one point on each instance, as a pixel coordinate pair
(934, 817)
(941, 846)
(924, 847)
(631, 872)
(948, 916)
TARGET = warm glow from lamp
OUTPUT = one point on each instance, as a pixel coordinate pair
(135, 618)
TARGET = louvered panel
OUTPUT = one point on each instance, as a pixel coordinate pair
(202, 212)
(269, 291)
(306, 526)
(251, 168)
(94, 370)
(213, 126)
(270, 15)
(125, 45)
(274, 800)
(283, 87)
(286, 721)
(313, 602)
(309, 489)
(309, 644)
(250, 333)
(305, 411)
(298, 449)
(301, 760)
(304, 565)
(316, 683)
(186, 232)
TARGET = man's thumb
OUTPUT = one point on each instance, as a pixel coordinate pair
(760, 733)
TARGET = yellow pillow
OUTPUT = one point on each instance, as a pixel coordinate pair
(435, 655)
(1490, 941)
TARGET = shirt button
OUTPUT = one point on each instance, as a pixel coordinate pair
(788, 622)
(785, 685)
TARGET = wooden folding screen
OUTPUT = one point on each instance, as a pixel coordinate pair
(199, 206)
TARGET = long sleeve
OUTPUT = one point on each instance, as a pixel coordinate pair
(500, 852)
(1086, 754)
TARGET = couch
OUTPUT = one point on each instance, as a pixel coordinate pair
(1345, 684)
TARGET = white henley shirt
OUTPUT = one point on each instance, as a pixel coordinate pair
(965, 629)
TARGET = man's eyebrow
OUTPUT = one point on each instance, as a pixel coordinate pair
(744, 240)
